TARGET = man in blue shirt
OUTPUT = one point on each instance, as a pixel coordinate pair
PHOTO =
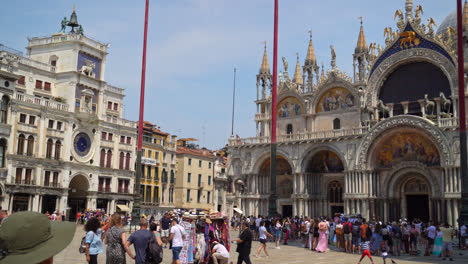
(140, 240)
(165, 223)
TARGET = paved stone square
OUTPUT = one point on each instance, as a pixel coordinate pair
(293, 253)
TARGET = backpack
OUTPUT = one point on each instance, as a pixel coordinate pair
(154, 252)
(368, 233)
(304, 228)
(82, 248)
(355, 230)
(346, 228)
(339, 231)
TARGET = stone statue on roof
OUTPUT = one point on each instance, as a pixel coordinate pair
(333, 57)
(80, 30)
(285, 64)
(64, 24)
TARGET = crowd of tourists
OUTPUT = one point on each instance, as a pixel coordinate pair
(355, 235)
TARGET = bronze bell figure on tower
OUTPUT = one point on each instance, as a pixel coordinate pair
(73, 21)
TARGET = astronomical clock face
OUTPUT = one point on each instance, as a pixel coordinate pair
(82, 144)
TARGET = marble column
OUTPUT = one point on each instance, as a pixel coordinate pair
(438, 211)
(455, 212)
(365, 209)
(294, 208)
(449, 211)
(385, 210)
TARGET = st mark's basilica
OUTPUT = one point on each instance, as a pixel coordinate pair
(383, 142)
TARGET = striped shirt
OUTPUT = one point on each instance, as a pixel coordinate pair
(365, 245)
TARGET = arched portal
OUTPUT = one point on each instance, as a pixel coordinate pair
(324, 177)
(77, 195)
(411, 195)
(284, 185)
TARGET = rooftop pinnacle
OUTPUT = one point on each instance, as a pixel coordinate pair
(361, 44)
(265, 68)
(310, 58)
(297, 73)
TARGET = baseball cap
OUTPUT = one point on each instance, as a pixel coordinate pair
(29, 237)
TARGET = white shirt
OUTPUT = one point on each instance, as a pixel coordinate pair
(463, 230)
(221, 250)
(178, 232)
(431, 231)
(258, 221)
(418, 227)
(262, 231)
(307, 223)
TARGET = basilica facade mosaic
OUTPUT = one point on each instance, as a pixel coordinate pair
(382, 143)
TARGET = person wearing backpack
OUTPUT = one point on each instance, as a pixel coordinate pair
(115, 240)
(347, 235)
(154, 251)
(397, 236)
(356, 236)
(140, 240)
(92, 240)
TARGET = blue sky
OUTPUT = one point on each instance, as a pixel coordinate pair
(193, 46)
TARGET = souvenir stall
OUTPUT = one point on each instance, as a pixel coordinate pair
(213, 227)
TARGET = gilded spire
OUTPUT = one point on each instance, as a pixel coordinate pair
(297, 74)
(465, 16)
(310, 59)
(361, 44)
(265, 68)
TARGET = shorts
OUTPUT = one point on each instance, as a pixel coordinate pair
(263, 241)
(347, 237)
(430, 241)
(278, 234)
(447, 246)
(256, 229)
(366, 252)
(165, 233)
(252, 227)
(356, 240)
(316, 235)
(176, 252)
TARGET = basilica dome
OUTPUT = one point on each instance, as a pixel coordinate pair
(449, 21)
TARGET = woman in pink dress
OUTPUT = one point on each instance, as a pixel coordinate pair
(322, 242)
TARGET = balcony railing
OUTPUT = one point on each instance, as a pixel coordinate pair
(41, 101)
(24, 182)
(67, 37)
(123, 190)
(301, 136)
(119, 121)
(114, 89)
(52, 184)
(262, 116)
(104, 189)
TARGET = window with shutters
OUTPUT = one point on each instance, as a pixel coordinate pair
(127, 161)
(30, 147)
(50, 144)
(102, 158)
(38, 84)
(109, 159)
(21, 139)
(58, 147)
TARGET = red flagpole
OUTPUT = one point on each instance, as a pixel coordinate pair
(463, 216)
(143, 76)
(275, 76)
(272, 207)
(136, 191)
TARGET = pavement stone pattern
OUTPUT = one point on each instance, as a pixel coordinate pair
(294, 253)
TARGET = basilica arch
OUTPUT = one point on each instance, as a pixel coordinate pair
(323, 169)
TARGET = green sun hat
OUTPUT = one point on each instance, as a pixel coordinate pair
(30, 237)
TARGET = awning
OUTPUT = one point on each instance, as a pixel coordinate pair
(237, 210)
(123, 208)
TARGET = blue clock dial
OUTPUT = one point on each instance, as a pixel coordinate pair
(82, 144)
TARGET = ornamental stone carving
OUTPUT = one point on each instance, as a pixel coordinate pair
(402, 121)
